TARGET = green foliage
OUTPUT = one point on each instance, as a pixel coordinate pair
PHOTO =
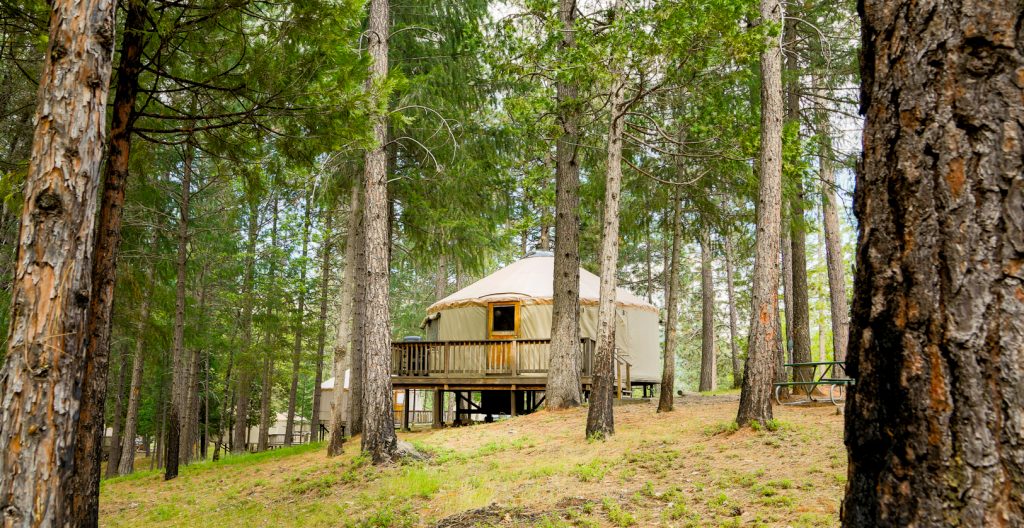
(616, 515)
(721, 428)
(591, 471)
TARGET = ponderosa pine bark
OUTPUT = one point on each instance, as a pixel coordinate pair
(342, 346)
(785, 352)
(759, 372)
(833, 243)
(934, 422)
(801, 330)
(563, 389)
(326, 246)
(190, 424)
(737, 376)
(126, 463)
(708, 371)
(158, 460)
(600, 415)
(358, 325)
(114, 451)
(50, 290)
(245, 368)
(666, 397)
(801, 324)
(82, 493)
(378, 438)
(181, 364)
(300, 323)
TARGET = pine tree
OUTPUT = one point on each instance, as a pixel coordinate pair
(932, 427)
(52, 279)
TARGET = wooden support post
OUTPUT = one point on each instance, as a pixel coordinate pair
(619, 381)
(438, 409)
(405, 412)
(458, 407)
(629, 380)
(513, 394)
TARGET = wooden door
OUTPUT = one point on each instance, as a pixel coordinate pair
(502, 328)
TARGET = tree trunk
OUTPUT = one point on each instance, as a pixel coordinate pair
(708, 371)
(223, 428)
(786, 248)
(82, 492)
(190, 424)
(801, 352)
(755, 396)
(545, 238)
(270, 337)
(206, 406)
(649, 257)
(114, 451)
(245, 370)
(441, 279)
(666, 397)
(563, 384)
(345, 325)
(737, 374)
(300, 322)
(162, 434)
(460, 276)
(266, 392)
(321, 339)
(833, 244)
(126, 463)
(801, 329)
(933, 426)
(180, 382)
(600, 416)
(355, 416)
(379, 438)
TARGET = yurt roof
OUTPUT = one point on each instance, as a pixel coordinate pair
(529, 280)
(330, 382)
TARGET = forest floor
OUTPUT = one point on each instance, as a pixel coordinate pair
(685, 468)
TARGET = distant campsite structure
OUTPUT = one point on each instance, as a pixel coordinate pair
(488, 346)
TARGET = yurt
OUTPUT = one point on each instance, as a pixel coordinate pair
(515, 302)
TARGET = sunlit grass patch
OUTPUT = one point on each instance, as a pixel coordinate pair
(658, 470)
(590, 472)
(616, 515)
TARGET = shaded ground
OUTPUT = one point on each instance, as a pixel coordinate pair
(686, 468)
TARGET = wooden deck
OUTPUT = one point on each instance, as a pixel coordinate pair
(517, 364)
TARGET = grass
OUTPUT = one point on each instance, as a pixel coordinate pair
(684, 468)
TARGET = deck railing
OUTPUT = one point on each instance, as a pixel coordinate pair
(481, 359)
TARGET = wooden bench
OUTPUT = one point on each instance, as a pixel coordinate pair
(829, 377)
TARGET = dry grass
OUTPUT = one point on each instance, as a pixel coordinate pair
(686, 468)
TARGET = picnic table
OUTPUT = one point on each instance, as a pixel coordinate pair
(832, 375)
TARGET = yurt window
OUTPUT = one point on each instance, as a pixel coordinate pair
(503, 320)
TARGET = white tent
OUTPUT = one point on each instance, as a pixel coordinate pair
(524, 289)
(276, 431)
(328, 389)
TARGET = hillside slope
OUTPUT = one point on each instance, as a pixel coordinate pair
(684, 468)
